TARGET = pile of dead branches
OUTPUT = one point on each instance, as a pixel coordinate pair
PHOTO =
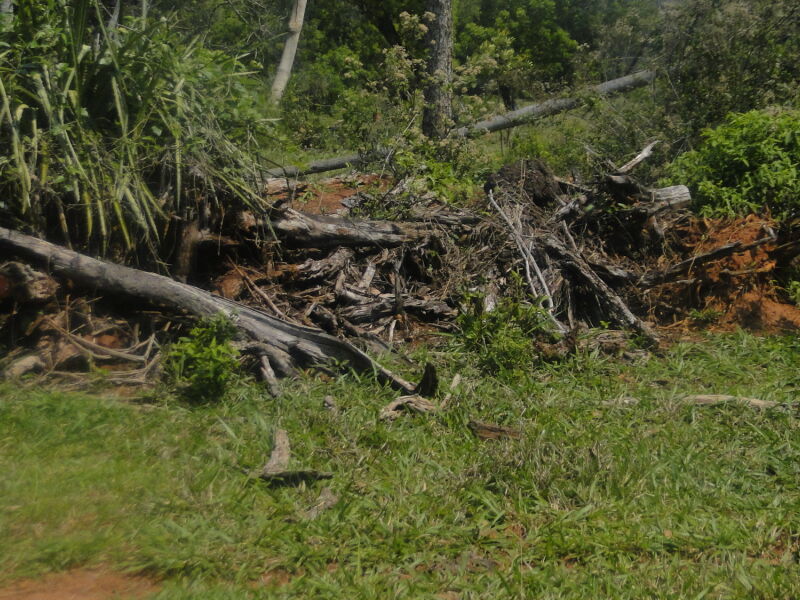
(306, 289)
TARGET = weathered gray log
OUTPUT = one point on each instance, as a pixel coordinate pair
(670, 198)
(302, 344)
(329, 164)
(324, 231)
(555, 106)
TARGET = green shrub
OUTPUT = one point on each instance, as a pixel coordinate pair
(750, 163)
(502, 339)
(202, 365)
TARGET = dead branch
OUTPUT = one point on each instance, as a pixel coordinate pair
(303, 345)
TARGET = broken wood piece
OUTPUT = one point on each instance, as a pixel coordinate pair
(412, 403)
(327, 499)
(429, 382)
(32, 363)
(281, 453)
(670, 198)
(268, 374)
(277, 468)
(26, 284)
(489, 431)
(324, 268)
(717, 399)
(639, 158)
(453, 386)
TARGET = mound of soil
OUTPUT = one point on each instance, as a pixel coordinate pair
(741, 290)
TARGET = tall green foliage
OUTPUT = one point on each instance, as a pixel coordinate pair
(110, 133)
(748, 164)
(730, 56)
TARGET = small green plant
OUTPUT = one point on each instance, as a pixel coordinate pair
(793, 289)
(705, 316)
(503, 338)
(202, 365)
(747, 164)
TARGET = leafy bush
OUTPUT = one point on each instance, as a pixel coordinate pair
(502, 339)
(202, 365)
(748, 164)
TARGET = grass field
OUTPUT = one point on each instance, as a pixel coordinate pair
(616, 488)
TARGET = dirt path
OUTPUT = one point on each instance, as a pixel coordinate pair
(81, 584)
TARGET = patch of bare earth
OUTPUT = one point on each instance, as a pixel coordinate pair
(740, 289)
(81, 584)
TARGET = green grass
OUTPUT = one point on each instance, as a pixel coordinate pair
(602, 497)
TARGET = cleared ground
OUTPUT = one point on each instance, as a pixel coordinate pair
(616, 488)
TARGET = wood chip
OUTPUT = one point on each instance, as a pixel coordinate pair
(717, 399)
(489, 431)
(413, 404)
(327, 499)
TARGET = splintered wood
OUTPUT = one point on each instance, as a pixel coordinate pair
(277, 470)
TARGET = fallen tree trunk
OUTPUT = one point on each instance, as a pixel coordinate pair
(286, 345)
(496, 123)
(301, 230)
(329, 164)
(555, 106)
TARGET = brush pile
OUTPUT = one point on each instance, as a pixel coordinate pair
(610, 253)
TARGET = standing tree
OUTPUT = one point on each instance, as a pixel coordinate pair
(438, 113)
(289, 50)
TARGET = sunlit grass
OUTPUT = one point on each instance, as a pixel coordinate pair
(616, 489)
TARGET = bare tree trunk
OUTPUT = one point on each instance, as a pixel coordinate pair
(438, 113)
(289, 50)
(6, 11)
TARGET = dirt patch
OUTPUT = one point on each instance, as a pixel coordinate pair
(328, 196)
(740, 290)
(81, 584)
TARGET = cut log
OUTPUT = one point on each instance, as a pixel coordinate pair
(300, 230)
(305, 345)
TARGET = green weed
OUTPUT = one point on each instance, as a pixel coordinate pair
(203, 365)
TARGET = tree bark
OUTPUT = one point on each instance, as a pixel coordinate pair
(437, 115)
(289, 50)
(6, 13)
(286, 345)
(300, 230)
